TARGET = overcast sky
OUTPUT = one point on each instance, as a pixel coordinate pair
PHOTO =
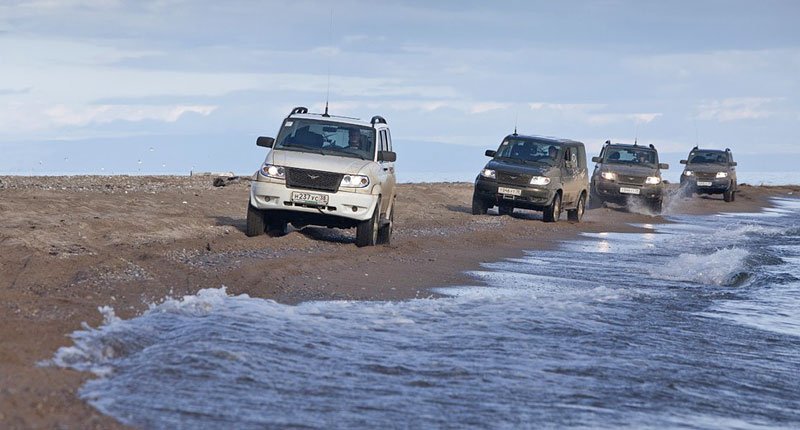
(149, 86)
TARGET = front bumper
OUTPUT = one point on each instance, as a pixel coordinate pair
(530, 197)
(611, 190)
(276, 196)
(717, 186)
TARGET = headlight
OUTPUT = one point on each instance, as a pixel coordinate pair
(688, 173)
(610, 176)
(540, 180)
(722, 174)
(355, 181)
(652, 180)
(488, 173)
(273, 171)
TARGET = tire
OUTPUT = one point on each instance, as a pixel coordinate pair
(656, 206)
(729, 195)
(479, 206)
(595, 201)
(256, 225)
(576, 214)
(553, 212)
(505, 209)
(367, 231)
(385, 232)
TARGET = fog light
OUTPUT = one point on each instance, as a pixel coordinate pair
(266, 198)
(355, 208)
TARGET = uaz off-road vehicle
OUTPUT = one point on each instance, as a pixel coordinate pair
(710, 171)
(625, 173)
(532, 172)
(329, 171)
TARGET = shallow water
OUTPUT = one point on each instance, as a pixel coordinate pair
(694, 325)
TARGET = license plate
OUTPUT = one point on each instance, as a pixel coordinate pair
(310, 198)
(625, 190)
(509, 191)
(703, 184)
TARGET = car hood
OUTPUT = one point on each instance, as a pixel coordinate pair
(311, 161)
(706, 168)
(632, 170)
(526, 169)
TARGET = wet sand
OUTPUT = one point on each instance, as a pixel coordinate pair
(71, 244)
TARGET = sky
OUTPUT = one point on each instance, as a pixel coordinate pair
(173, 86)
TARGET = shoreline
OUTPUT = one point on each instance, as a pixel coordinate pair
(72, 244)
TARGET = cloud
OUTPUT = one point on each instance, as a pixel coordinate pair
(610, 118)
(736, 109)
(567, 107)
(80, 116)
(12, 91)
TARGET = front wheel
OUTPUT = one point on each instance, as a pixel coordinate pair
(385, 230)
(553, 212)
(576, 214)
(479, 205)
(729, 195)
(367, 231)
(656, 206)
(256, 224)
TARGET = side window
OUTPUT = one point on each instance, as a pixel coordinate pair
(384, 141)
(581, 157)
(388, 140)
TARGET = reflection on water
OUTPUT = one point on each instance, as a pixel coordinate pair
(694, 324)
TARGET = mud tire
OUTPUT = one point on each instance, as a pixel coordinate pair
(479, 206)
(385, 231)
(575, 215)
(256, 222)
(367, 231)
(553, 212)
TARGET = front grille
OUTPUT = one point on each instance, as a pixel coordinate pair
(313, 179)
(631, 180)
(703, 176)
(513, 178)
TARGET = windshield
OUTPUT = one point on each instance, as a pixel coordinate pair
(637, 156)
(529, 151)
(708, 157)
(327, 138)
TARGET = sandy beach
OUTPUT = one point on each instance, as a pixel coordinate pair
(72, 244)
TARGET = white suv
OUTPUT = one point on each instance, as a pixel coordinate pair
(325, 170)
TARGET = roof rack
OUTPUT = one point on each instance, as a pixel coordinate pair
(695, 147)
(608, 142)
(377, 119)
(727, 150)
(652, 146)
(299, 109)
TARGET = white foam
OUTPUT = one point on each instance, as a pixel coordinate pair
(717, 268)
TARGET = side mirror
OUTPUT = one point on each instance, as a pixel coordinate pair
(490, 153)
(734, 164)
(664, 166)
(266, 142)
(683, 161)
(596, 159)
(388, 156)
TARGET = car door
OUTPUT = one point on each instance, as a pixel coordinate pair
(386, 172)
(568, 175)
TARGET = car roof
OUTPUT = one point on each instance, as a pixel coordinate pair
(543, 138)
(629, 145)
(332, 118)
(708, 150)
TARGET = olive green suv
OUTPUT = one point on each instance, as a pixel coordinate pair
(532, 172)
(625, 174)
(710, 171)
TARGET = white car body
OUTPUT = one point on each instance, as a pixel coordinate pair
(290, 198)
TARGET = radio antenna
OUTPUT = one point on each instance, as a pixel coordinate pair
(516, 118)
(328, 89)
(636, 134)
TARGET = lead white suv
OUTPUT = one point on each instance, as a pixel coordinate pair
(329, 171)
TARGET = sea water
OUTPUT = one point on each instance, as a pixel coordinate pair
(693, 324)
